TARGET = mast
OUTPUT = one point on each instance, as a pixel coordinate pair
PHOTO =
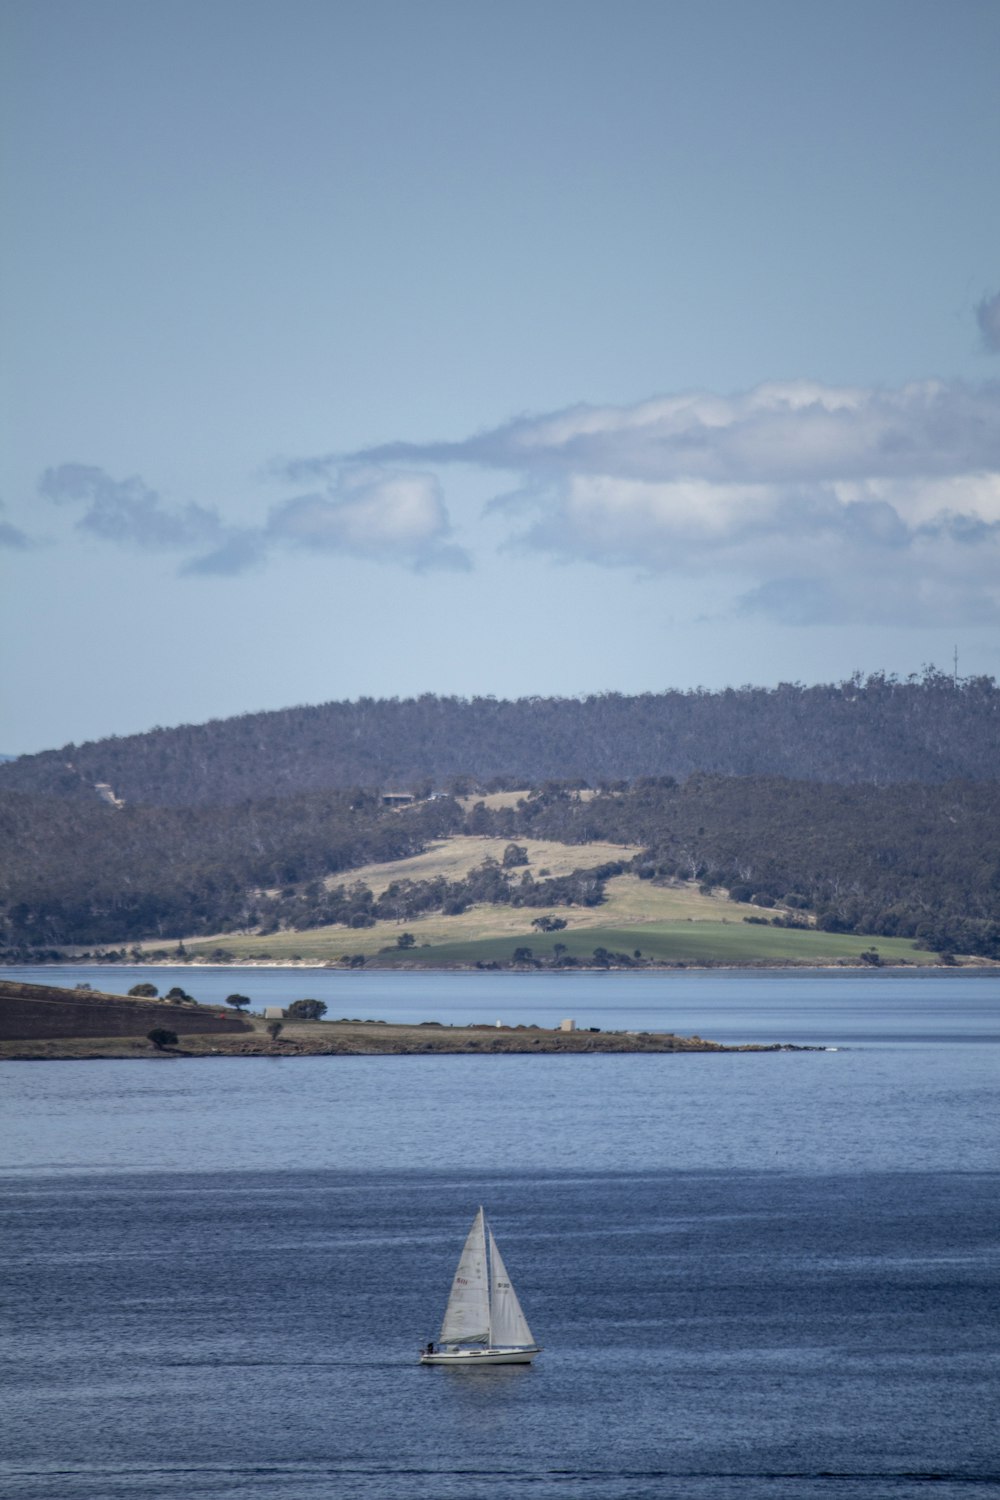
(491, 1245)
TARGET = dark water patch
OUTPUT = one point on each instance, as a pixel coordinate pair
(706, 1334)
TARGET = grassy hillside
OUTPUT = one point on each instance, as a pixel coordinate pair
(455, 858)
(673, 923)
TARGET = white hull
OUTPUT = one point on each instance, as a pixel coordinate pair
(468, 1358)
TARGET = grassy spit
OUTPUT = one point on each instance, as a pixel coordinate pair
(352, 1038)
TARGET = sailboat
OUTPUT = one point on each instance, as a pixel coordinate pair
(483, 1322)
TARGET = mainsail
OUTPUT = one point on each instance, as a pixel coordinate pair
(509, 1327)
(467, 1316)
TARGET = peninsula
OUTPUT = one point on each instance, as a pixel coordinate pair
(43, 1023)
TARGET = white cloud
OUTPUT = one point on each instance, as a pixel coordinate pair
(128, 511)
(776, 433)
(383, 515)
(816, 502)
(373, 513)
(834, 503)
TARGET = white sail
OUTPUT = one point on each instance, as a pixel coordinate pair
(467, 1316)
(508, 1326)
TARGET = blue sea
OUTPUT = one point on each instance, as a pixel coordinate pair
(754, 1275)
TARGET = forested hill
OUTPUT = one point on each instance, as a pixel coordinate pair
(900, 861)
(878, 730)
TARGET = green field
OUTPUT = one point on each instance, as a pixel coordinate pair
(667, 942)
(707, 942)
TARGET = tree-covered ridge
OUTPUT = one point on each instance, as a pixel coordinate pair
(82, 871)
(879, 729)
(908, 861)
(904, 860)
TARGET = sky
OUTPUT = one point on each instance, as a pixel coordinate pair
(489, 347)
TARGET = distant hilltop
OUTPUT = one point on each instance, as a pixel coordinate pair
(880, 729)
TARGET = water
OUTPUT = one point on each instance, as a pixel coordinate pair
(763, 1275)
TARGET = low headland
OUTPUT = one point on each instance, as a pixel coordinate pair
(45, 1023)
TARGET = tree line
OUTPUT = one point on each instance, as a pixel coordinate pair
(879, 729)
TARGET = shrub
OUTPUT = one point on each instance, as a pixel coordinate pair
(161, 1037)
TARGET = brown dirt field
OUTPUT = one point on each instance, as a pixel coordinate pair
(32, 1013)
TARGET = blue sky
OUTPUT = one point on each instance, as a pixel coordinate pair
(492, 348)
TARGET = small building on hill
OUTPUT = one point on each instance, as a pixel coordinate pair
(274, 1012)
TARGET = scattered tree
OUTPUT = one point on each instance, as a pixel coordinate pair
(406, 940)
(147, 991)
(274, 1029)
(238, 1001)
(161, 1037)
(307, 1010)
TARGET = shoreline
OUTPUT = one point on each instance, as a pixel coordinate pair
(963, 965)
